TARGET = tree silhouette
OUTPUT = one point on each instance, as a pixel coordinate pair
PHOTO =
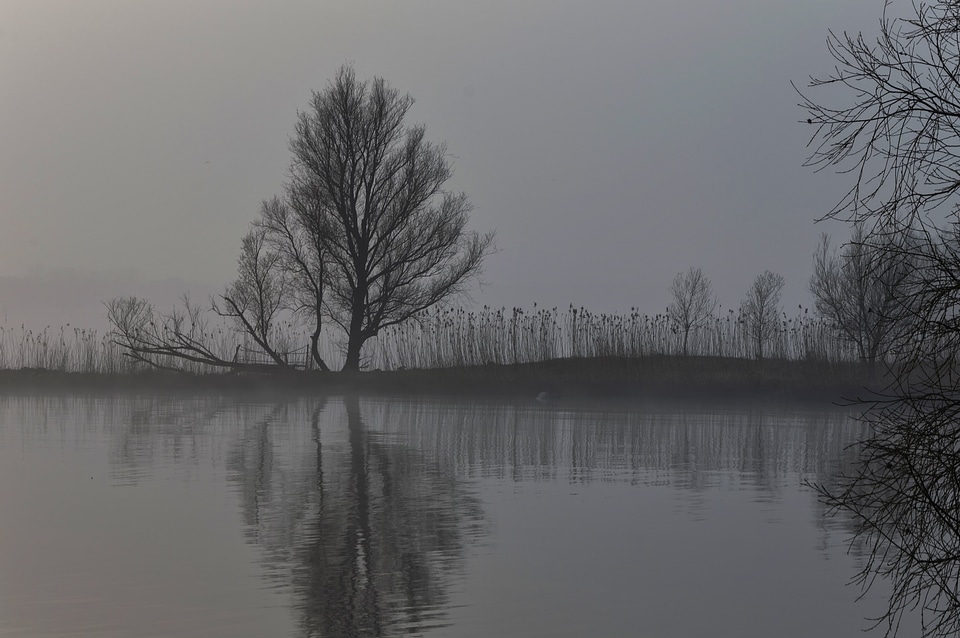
(366, 233)
(860, 291)
(895, 132)
(693, 302)
(372, 192)
(760, 310)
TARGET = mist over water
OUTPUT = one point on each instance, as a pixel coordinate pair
(130, 515)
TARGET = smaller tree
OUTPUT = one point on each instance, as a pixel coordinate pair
(256, 297)
(862, 289)
(297, 242)
(693, 303)
(760, 310)
(254, 303)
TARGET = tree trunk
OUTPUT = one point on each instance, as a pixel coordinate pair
(352, 362)
(355, 338)
(318, 326)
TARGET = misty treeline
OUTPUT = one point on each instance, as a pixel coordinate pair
(887, 117)
(848, 323)
(858, 292)
(365, 236)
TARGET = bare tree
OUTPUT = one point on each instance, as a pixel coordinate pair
(257, 295)
(861, 290)
(693, 302)
(760, 310)
(896, 133)
(181, 337)
(295, 239)
(366, 235)
(394, 240)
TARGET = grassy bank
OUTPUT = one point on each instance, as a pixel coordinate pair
(657, 376)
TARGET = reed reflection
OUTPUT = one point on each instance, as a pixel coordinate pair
(693, 450)
(463, 438)
(687, 448)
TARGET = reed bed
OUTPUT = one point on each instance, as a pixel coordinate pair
(64, 350)
(445, 338)
(70, 349)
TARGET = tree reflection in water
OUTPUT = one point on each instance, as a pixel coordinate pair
(361, 511)
(368, 533)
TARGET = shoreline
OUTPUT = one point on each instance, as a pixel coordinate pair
(558, 380)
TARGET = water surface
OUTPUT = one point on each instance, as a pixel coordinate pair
(203, 516)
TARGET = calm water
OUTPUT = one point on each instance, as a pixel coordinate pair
(164, 516)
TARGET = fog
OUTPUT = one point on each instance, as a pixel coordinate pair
(609, 144)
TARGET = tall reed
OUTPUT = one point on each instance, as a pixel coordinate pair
(447, 337)
(71, 349)
(451, 337)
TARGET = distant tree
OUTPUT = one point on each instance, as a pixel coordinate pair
(693, 303)
(760, 310)
(861, 290)
(371, 191)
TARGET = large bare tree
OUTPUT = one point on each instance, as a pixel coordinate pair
(888, 117)
(760, 310)
(374, 192)
(693, 303)
(366, 234)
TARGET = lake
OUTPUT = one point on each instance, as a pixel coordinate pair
(134, 515)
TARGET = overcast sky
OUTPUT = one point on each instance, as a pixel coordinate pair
(609, 144)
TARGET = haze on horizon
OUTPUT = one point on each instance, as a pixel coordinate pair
(609, 144)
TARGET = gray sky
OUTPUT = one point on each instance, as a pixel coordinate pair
(610, 144)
